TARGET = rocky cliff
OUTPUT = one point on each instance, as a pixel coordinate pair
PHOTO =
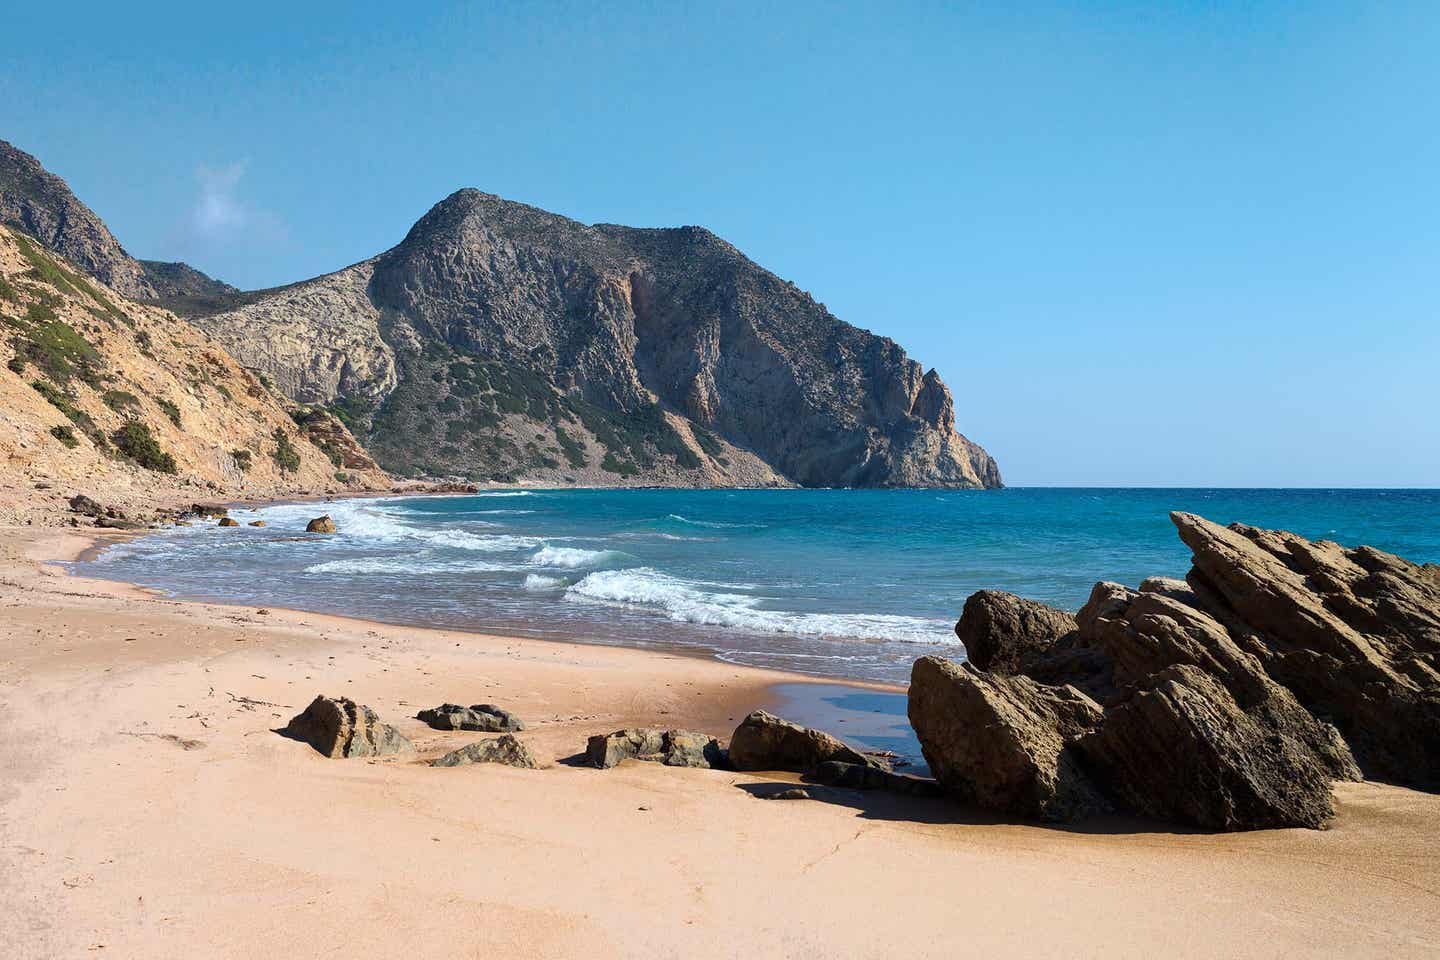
(501, 341)
(40, 204)
(1230, 700)
(128, 404)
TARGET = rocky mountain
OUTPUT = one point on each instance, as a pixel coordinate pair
(40, 204)
(501, 341)
(1230, 700)
(126, 403)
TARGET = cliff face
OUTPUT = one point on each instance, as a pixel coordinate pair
(127, 403)
(501, 340)
(40, 204)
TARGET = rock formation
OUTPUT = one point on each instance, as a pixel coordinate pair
(482, 717)
(38, 203)
(340, 727)
(674, 748)
(498, 340)
(764, 741)
(320, 525)
(507, 750)
(1231, 700)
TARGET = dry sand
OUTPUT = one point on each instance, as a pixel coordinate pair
(148, 810)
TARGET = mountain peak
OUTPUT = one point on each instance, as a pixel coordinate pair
(37, 202)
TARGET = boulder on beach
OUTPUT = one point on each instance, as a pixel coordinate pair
(257, 523)
(320, 525)
(228, 522)
(481, 717)
(855, 776)
(1232, 699)
(86, 506)
(674, 748)
(204, 510)
(764, 741)
(506, 750)
(340, 727)
(1005, 743)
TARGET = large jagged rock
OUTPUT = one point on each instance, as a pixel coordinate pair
(674, 748)
(482, 717)
(1004, 743)
(667, 355)
(340, 727)
(1181, 749)
(1232, 699)
(321, 525)
(507, 750)
(1006, 634)
(764, 741)
(1354, 634)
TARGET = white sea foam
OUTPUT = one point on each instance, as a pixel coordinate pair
(538, 583)
(571, 558)
(405, 566)
(507, 493)
(687, 601)
(371, 521)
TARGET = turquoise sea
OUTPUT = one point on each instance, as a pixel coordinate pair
(839, 583)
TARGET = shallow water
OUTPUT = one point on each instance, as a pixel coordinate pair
(838, 583)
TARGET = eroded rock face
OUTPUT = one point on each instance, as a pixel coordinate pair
(339, 727)
(763, 741)
(1004, 743)
(1354, 634)
(1181, 749)
(1231, 700)
(674, 748)
(482, 717)
(507, 750)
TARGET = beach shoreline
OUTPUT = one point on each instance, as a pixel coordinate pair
(148, 809)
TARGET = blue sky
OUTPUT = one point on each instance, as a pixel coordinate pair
(1143, 243)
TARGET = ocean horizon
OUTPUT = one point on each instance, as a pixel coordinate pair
(846, 584)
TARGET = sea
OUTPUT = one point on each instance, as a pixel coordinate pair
(846, 584)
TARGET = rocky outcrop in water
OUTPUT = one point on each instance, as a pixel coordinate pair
(321, 525)
(1231, 700)
(38, 203)
(499, 340)
(339, 727)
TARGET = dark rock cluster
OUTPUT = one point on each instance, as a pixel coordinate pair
(1230, 700)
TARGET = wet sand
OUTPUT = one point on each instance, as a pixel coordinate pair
(148, 809)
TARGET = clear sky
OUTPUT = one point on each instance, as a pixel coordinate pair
(1178, 243)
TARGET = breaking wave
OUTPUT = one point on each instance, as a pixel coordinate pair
(688, 601)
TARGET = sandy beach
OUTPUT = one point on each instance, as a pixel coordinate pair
(147, 809)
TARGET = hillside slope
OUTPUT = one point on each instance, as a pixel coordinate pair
(501, 341)
(131, 405)
(36, 202)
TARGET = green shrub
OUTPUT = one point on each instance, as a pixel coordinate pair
(342, 476)
(16, 364)
(624, 468)
(66, 435)
(171, 411)
(286, 457)
(242, 459)
(135, 441)
(7, 291)
(146, 344)
(59, 351)
(120, 400)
